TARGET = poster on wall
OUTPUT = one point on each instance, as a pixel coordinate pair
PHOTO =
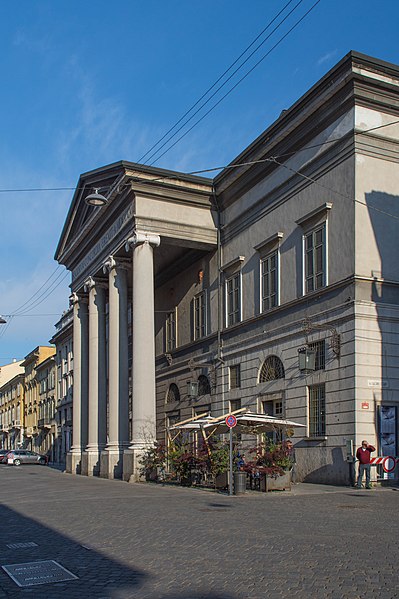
(388, 437)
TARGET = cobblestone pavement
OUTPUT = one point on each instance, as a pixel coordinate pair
(148, 541)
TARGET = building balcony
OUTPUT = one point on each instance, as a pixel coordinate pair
(44, 422)
(16, 424)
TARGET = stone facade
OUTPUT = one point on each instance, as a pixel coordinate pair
(32, 437)
(62, 339)
(224, 281)
(46, 440)
(12, 412)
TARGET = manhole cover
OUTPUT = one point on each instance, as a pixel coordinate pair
(33, 573)
(22, 545)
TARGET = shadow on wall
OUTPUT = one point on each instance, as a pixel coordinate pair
(335, 472)
(383, 211)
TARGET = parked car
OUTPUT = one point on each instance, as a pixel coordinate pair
(3, 453)
(24, 456)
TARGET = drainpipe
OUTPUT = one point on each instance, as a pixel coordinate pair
(219, 357)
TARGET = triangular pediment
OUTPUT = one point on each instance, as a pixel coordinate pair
(81, 214)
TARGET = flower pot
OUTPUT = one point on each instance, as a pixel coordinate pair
(221, 480)
(270, 483)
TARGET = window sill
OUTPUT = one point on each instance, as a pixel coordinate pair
(315, 438)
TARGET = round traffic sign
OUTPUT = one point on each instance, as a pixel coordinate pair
(391, 467)
(231, 421)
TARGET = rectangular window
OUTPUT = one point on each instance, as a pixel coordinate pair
(171, 331)
(235, 376)
(269, 273)
(315, 259)
(206, 409)
(233, 299)
(317, 411)
(235, 404)
(320, 358)
(200, 315)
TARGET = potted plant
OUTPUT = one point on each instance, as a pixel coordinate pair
(153, 462)
(272, 463)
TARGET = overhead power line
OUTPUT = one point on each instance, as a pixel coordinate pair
(29, 305)
(186, 121)
(239, 81)
(36, 292)
(214, 168)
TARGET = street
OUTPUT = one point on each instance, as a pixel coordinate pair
(147, 541)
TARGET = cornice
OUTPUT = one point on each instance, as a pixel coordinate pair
(356, 80)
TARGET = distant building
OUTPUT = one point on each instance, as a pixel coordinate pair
(12, 412)
(46, 440)
(62, 339)
(32, 440)
(8, 371)
(227, 281)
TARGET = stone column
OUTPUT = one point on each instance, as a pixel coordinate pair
(118, 371)
(143, 354)
(97, 399)
(80, 384)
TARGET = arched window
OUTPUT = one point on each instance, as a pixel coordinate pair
(272, 369)
(204, 387)
(173, 394)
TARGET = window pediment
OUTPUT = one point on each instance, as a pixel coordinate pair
(315, 217)
(269, 244)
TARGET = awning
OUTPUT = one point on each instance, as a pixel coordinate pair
(247, 422)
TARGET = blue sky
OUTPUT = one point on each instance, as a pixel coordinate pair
(86, 83)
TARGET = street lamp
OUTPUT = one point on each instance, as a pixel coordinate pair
(307, 360)
(96, 199)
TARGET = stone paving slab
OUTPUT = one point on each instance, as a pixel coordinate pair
(148, 541)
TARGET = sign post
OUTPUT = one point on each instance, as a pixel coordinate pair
(231, 422)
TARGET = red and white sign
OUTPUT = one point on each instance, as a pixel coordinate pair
(365, 405)
(387, 462)
(231, 421)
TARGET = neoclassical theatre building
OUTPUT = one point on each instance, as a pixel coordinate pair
(228, 283)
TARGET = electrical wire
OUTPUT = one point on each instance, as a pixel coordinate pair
(226, 81)
(216, 168)
(216, 82)
(239, 81)
(342, 195)
(36, 303)
(54, 285)
(36, 292)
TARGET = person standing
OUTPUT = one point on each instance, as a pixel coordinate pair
(363, 455)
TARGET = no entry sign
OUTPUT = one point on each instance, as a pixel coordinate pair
(231, 421)
(389, 463)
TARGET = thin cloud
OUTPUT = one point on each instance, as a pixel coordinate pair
(327, 57)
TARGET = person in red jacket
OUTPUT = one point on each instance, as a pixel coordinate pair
(363, 455)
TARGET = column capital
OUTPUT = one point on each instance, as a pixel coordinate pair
(91, 283)
(112, 263)
(140, 237)
(76, 298)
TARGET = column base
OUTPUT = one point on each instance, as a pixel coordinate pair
(111, 463)
(73, 462)
(132, 466)
(90, 463)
